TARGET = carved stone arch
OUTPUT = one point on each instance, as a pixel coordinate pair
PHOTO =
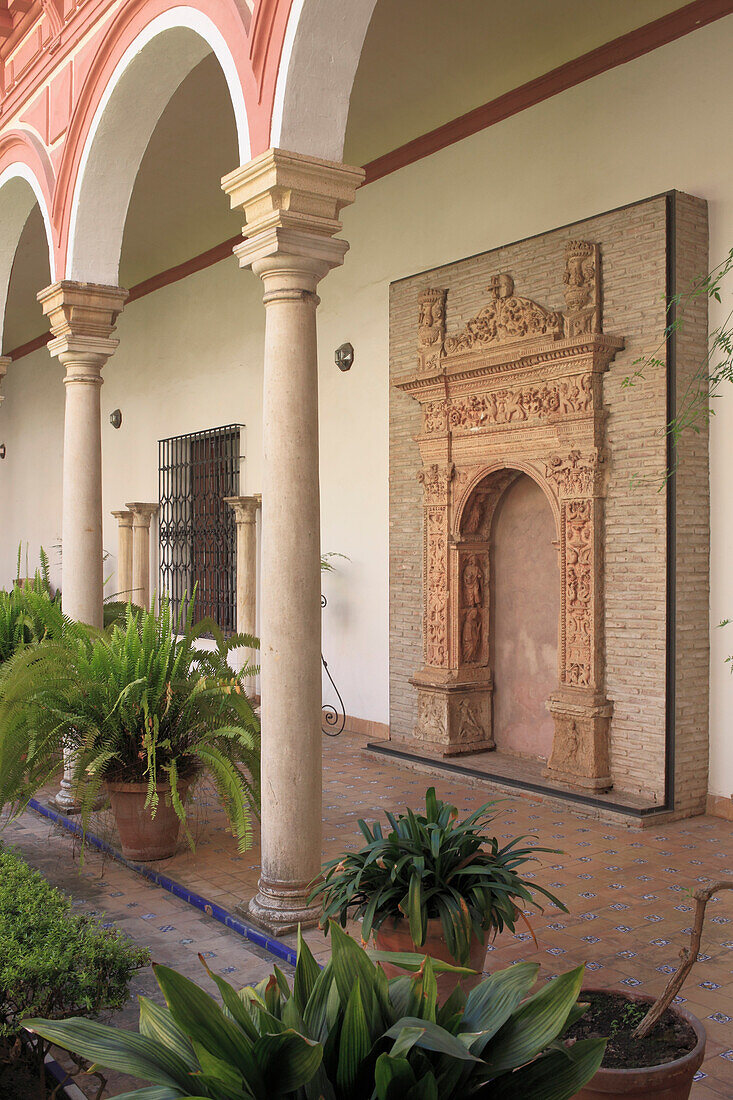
(533, 470)
(518, 387)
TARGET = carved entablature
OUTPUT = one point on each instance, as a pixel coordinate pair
(519, 389)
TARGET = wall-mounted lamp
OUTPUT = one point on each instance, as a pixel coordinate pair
(344, 357)
(2, 450)
(115, 418)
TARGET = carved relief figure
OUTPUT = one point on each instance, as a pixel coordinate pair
(474, 515)
(471, 636)
(431, 328)
(582, 288)
(473, 582)
(469, 728)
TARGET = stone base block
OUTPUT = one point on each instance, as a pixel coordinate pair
(454, 719)
(580, 755)
(280, 908)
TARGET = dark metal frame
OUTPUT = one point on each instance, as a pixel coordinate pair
(334, 722)
(198, 540)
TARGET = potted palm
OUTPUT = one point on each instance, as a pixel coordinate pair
(347, 1033)
(432, 884)
(144, 711)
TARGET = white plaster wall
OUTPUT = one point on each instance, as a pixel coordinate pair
(190, 354)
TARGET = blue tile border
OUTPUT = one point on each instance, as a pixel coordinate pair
(210, 908)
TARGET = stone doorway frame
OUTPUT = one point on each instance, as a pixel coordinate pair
(519, 388)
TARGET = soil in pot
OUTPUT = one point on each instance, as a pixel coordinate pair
(660, 1067)
(144, 838)
(395, 936)
(614, 1016)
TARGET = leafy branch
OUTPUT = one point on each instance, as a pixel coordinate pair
(695, 408)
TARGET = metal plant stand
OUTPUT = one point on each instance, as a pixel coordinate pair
(334, 722)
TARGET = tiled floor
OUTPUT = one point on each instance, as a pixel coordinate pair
(627, 890)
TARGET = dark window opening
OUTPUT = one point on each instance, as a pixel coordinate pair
(197, 529)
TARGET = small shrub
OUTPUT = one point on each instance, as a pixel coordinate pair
(52, 962)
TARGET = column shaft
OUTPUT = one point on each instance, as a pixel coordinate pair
(245, 514)
(291, 605)
(141, 516)
(81, 538)
(124, 555)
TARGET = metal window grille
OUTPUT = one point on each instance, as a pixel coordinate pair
(197, 530)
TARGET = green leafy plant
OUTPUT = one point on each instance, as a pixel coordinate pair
(28, 616)
(141, 702)
(432, 866)
(347, 1033)
(52, 962)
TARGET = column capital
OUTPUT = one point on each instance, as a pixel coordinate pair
(141, 512)
(82, 317)
(291, 205)
(123, 517)
(245, 508)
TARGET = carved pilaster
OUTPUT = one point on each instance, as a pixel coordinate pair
(436, 481)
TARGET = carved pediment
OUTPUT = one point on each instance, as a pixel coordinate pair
(507, 317)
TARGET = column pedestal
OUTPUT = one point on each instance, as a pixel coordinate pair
(291, 205)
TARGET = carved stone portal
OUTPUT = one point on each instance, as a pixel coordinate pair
(519, 389)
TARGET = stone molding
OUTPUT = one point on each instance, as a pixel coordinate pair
(291, 205)
(518, 389)
(82, 317)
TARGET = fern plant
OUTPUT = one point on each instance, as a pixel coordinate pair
(140, 702)
(28, 614)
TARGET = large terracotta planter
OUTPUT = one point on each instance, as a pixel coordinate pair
(395, 936)
(669, 1081)
(144, 838)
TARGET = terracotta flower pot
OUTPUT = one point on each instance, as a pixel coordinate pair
(394, 935)
(668, 1081)
(143, 837)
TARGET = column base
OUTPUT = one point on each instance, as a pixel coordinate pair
(280, 908)
(580, 755)
(65, 803)
(453, 719)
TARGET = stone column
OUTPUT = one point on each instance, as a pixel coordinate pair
(124, 554)
(141, 516)
(82, 317)
(291, 205)
(245, 515)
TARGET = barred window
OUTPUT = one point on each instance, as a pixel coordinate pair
(197, 530)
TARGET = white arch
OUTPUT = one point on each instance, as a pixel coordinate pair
(147, 75)
(320, 55)
(19, 193)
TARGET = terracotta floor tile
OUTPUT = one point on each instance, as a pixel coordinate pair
(632, 875)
